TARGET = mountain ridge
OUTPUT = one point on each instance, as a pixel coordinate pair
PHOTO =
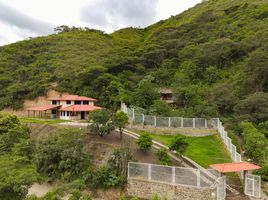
(205, 54)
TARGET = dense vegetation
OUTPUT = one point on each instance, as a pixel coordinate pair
(214, 56)
(17, 170)
(60, 158)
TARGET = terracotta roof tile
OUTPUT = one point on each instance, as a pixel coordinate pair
(234, 167)
(73, 98)
(43, 108)
(79, 108)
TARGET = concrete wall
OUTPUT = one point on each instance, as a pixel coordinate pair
(146, 189)
(174, 131)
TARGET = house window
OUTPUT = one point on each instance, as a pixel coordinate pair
(68, 102)
(85, 102)
(54, 102)
(77, 102)
(53, 112)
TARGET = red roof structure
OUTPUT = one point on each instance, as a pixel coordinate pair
(73, 98)
(43, 108)
(234, 167)
(80, 108)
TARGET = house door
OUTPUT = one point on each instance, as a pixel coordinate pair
(82, 115)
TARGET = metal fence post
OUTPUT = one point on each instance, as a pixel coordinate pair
(149, 172)
(206, 123)
(182, 122)
(198, 178)
(169, 122)
(143, 119)
(133, 114)
(193, 122)
(155, 121)
(128, 170)
(173, 175)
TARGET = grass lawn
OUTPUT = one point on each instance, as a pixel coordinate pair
(203, 150)
(41, 121)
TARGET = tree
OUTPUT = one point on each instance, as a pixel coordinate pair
(17, 174)
(163, 157)
(178, 144)
(12, 137)
(7, 121)
(145, 94)
(263, 127)
(112, 95)
(62, 156)
(121, 121)
(145, 142)
(100, 122)
(257, 70)
(161, 108)
(254, 107)
(255, 142)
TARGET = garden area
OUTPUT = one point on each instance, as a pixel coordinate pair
(203, 150)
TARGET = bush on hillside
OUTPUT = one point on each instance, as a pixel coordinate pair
(178, 144)
(145, 142)
(255, 142)
(62, 156)
(163, 157)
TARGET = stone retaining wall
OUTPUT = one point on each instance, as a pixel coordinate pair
(146, 189)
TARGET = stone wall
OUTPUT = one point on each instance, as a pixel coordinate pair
(146, 189)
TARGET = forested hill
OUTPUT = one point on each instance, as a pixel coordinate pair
(215, 56)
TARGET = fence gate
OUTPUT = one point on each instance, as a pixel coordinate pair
(221, 188)
(253, 185)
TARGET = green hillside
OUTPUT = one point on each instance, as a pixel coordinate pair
(215, 56)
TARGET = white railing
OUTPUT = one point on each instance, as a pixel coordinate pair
(180, 122)
(191, 177)
(169, 122)
(236, 157)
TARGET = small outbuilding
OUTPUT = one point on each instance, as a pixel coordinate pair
(167, 95)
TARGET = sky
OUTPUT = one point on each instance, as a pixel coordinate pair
(21, 19)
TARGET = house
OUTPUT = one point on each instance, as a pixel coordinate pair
(68, 107)
(167, 95)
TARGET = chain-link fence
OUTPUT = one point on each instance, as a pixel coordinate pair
(174, 175)
(169, 122)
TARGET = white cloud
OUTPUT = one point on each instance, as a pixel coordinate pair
(20, 19)
(115, 14)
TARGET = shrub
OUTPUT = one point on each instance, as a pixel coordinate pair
(134, 198)
(155, 197)
(178, 144)
(163, 157)
(263, 172)
(255, 142)
(62, 156)
(145, 142)
(103, 177)
(121, 121)
(161, 108)
(77, 195)
(100, 122)
(123, 197)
